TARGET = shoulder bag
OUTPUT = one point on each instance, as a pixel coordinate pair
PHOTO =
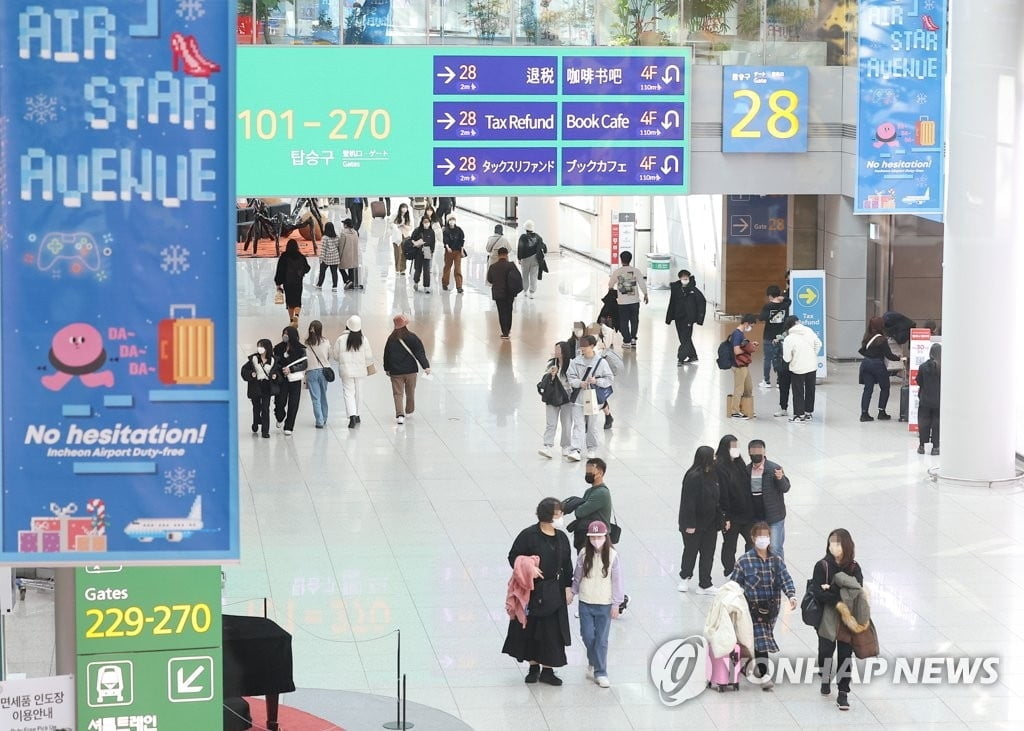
(275, 387)
(547, 596)
(328, 371)
(614, 531)
(407, 350)
(811, 610)
(603, 392)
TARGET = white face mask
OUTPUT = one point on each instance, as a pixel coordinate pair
(762, 542)
(836, 549)
(684, 281)
(748, 328)
(578, 333)
(261, 350)
(734, 452)
(559, 522)
(597, 542)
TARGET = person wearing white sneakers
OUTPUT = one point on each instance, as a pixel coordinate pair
(404, 354)
(763, 576)
(598, 584)
(588, 370)
(554, 393)
(700, 519)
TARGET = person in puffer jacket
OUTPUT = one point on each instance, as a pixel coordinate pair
(800, 350)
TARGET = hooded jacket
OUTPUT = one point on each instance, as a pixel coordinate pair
(728, 622)
(686, 304)
(800, 349)
(848, 617)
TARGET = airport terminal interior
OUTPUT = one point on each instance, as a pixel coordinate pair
(350, 534)
(382, 546)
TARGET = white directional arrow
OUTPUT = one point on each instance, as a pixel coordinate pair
(668, 122)
(667, 76)
(448, 166)
(447, 120)
(185, 684)
(671, 165)
(448, 75)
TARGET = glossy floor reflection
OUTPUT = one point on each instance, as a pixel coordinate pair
(353, 533)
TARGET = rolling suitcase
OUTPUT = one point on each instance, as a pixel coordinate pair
(185, 348)
(904, 403)
(724, 672)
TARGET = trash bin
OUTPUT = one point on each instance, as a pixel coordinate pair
(659, 271)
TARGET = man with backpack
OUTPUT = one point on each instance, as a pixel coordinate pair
(736, 353)
(531, 255)
(506, 282)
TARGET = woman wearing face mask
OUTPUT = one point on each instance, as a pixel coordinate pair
(291, 355)
(737, 503)
(542, 639)
(579, 329)
(401, 229)
(839, 558)
(261, 373)
(423, 238)
(598, 583)
(763, 576)
(700, 519)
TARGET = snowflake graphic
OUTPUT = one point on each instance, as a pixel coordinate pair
(190, 9)
(180, 482)
(108, 238)
(922, 180)
(101, 276)
(929, 4)
(921, 98)
(41, 108)
(175, 259)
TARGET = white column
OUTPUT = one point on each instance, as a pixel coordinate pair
(980, 320)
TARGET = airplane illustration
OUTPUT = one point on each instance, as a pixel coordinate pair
(174, 530)
(918, 200)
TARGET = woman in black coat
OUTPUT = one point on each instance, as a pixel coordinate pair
(735, 499)
(290, 354)
(264, 379)
(700, 519)
(291, 269)
(874, 346)
(424, 239)
(543, 641)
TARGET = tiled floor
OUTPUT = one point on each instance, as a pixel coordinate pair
(354, 533)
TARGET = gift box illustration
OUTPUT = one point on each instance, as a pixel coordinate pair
(62, 531)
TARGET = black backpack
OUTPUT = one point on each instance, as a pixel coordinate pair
(408, 249)
(551, 391)
(725, 359)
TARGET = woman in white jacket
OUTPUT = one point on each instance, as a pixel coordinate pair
(354, 356)
(800, 350)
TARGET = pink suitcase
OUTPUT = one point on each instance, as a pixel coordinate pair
(724, 672)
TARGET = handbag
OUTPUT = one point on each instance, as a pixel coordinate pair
(328, 372)
(590, 405)
(614, 531)
(278, 297)
(811, 610)
(371, 369)
(603, 392)
(551, 391)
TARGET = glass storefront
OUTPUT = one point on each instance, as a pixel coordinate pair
(798, 32)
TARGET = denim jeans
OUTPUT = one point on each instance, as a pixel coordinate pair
(595, 623)
(318, 394)
(777, 533)
(771, 352)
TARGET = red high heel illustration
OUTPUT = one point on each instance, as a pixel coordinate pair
(186, 50)
(929, 23)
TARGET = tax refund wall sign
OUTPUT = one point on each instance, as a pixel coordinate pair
(116, 182)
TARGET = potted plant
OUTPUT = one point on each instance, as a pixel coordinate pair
(789, 16)
(489, 17)
(636, 23)
(700, 15)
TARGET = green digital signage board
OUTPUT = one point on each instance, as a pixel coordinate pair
(488, 121)
(148, 646)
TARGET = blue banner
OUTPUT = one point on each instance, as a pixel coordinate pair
(119, 440)
(900, 126)
(764, 108)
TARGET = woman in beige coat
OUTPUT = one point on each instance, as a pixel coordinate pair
(349, 258)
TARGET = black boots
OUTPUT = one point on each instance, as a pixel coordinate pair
(882, 416)
(865, 416)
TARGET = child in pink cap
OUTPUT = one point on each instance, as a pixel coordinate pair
(597, 581)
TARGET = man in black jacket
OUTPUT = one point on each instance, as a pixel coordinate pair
(506, 282)
(530, 254)
(687, 306)
(773, 315)
(928, 381)
(768, 487)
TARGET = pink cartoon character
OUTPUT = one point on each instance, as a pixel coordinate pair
(885, 134)
(77, 350)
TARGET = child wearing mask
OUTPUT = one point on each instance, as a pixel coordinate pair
(763, 576)
(597, 581)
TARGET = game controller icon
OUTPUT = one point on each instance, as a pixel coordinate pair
(78, 246)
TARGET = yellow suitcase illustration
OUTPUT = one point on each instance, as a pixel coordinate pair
(185, 348)
(925, 132)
